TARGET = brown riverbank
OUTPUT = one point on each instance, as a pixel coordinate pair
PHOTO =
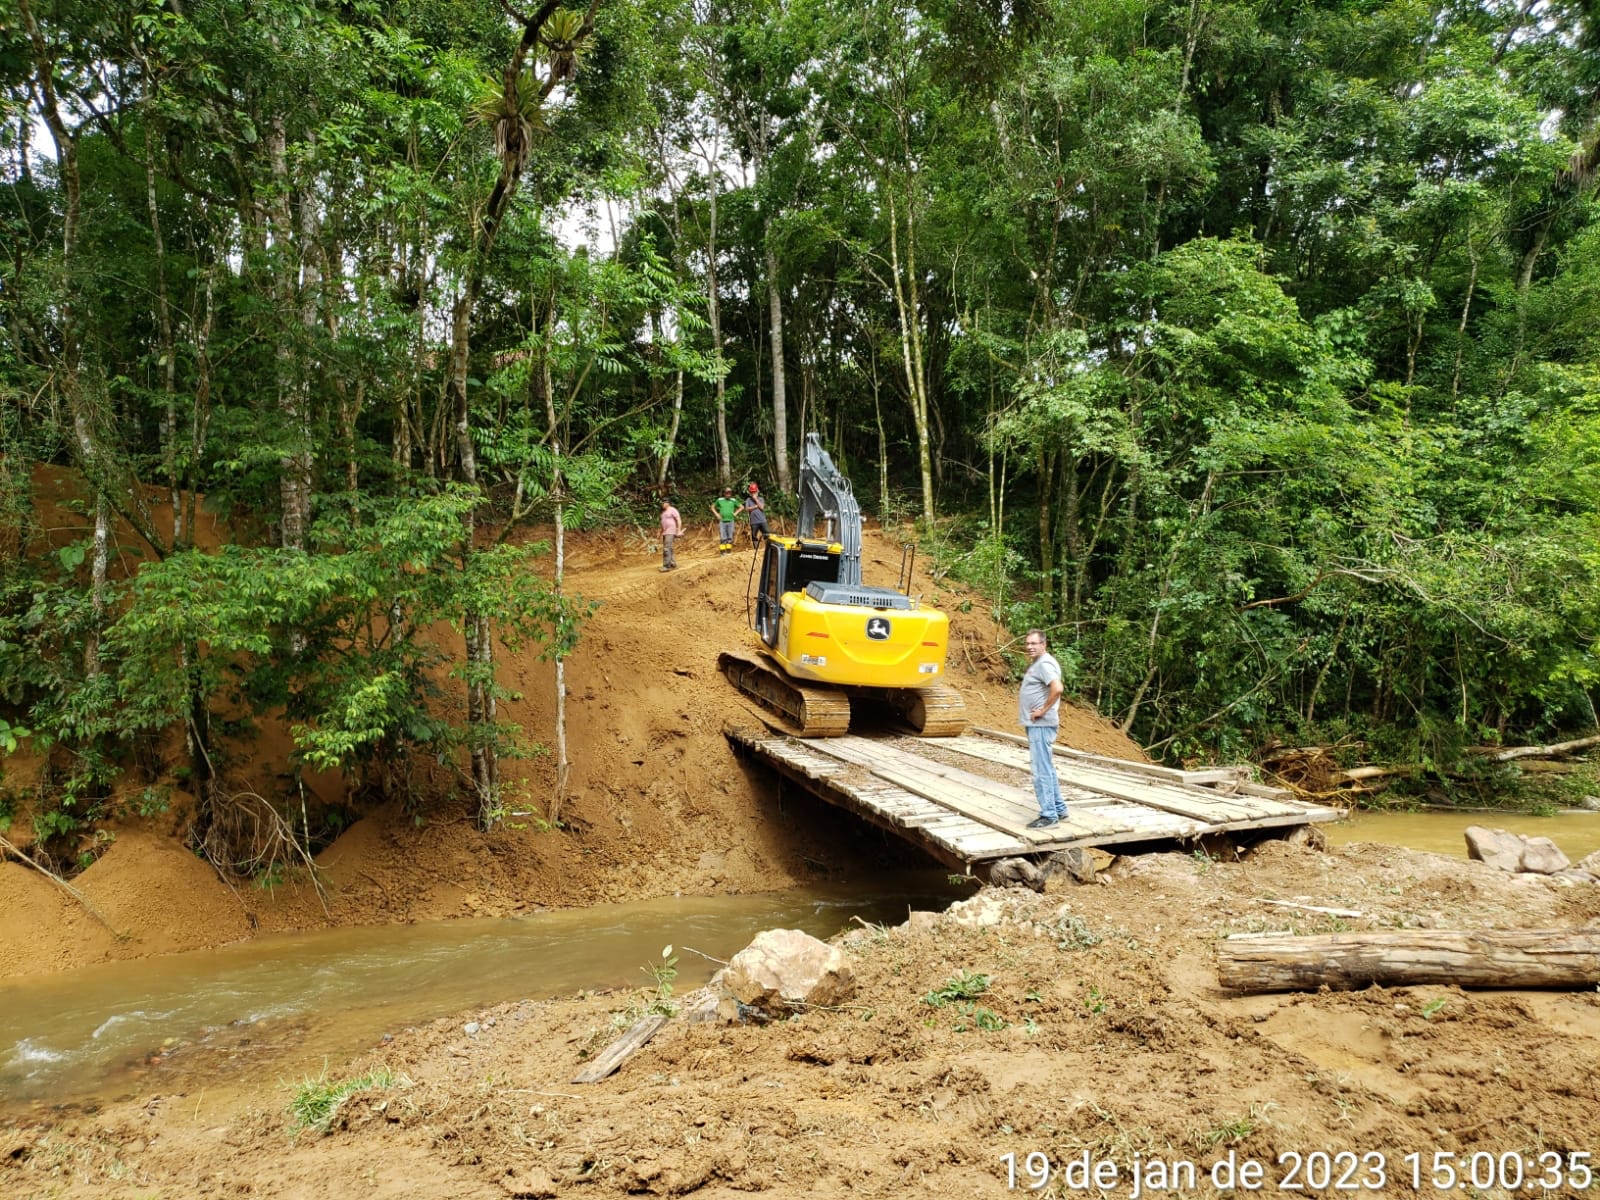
(1100, 1036)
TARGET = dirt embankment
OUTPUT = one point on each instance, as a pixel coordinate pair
(653, 787)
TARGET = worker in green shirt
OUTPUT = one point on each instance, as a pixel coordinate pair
(725, 508)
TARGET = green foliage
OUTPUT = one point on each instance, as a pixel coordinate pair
(664, 973)
(974, 1016)
(316, 1102)
(960, 993)
(963, 985)
(1256, 343)
(659, 1000)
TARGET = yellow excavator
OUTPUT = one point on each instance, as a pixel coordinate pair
(825, 638)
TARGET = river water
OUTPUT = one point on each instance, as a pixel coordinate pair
(1577, 833)
(296, 1001)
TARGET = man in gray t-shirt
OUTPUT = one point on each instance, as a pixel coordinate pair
(1039, 712)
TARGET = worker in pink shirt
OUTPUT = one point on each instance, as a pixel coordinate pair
(671, 527)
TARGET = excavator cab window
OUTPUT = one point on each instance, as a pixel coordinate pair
(811, 562)
(768, 595)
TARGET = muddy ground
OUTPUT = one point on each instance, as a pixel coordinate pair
(1100, 1042)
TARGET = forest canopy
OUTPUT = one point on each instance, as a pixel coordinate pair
(1250, 349)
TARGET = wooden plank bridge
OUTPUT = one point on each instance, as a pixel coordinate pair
(968, 800)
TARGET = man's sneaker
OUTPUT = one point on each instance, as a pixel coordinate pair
(1041, 823)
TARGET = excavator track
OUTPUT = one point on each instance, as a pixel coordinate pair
(818, 712)
(935, 711)
(825, 712)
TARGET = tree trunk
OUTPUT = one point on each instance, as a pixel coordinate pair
(714, 312)
(1556, 748)
(906, 308)
(1047, 541)
(1521, 958)
(478, 627)
(168, 359)
(563, 764)
(1466, 312)
(780, 403)
(1074, 569)
(294, 485)
(71, 371)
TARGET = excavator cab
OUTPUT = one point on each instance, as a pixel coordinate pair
(789, 565)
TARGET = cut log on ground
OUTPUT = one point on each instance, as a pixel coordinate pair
(1513, 958)
(614, 1055)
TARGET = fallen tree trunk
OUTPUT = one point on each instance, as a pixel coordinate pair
(1513, 958)
(1357, 774)
(1511, 754)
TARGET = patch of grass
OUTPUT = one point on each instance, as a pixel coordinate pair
(316, 1102)
(1072, 933)
(1233, 1130)
(975, 1017)
(664, 973)
(963, 985)
(656, 1003)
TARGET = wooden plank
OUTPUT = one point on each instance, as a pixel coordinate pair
(619, 1051)
(985, 800)
(1173, 797)
(1261, 801)
(864, 754)
(1007, 797)
(941, 793)
(996, 806)
(1205, 775)
(960, 817)
(1149, 792)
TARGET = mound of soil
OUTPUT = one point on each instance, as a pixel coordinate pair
(653, 786)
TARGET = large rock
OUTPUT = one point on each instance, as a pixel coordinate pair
(980, 911)
(785, 969)
(1541, 856)
(1008, 871)
(1589, 863)
(1495, 847)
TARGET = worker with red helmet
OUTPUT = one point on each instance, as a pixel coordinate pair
(755, 511)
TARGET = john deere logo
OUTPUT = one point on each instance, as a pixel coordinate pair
(878, 629)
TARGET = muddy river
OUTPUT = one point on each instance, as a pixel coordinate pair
(161, 1024)
(1577, 833)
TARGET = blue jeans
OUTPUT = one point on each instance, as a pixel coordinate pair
(1046, 786)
